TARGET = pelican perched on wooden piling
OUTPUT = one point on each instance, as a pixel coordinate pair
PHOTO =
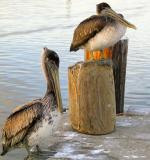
(100, 31)
(31, 123)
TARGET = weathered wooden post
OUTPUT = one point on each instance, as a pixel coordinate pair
(92, 97)
(118, 53)
(119, 57)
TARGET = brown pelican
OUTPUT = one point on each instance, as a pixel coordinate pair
(31, 123)
(100, 31)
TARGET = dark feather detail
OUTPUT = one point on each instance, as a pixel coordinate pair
(18, 123)
(120, 15)
(88, 29)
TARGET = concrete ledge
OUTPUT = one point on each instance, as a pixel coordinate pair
(129, 141)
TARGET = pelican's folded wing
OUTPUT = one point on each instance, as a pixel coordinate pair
(87, 29)
(18, 123)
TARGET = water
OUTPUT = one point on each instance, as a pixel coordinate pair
(27, 26)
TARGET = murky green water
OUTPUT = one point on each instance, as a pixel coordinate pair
(27, 26)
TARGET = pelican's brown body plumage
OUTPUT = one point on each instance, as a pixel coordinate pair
(88, 29)
(18, 124)
(100, 31)
(32, 122)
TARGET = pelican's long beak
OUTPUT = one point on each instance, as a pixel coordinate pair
(54, 70)
(111, 13)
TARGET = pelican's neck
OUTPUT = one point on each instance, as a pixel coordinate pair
(50, 96)
(49, 87)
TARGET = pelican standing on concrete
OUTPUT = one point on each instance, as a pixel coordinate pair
(100, 31)
(32, 123)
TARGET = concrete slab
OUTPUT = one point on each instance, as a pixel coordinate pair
(130, 140)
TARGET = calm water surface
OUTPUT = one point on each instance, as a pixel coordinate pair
(27, 26)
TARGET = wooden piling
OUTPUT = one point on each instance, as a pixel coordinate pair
(118, 54)
(119, 57)
(92, 105)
